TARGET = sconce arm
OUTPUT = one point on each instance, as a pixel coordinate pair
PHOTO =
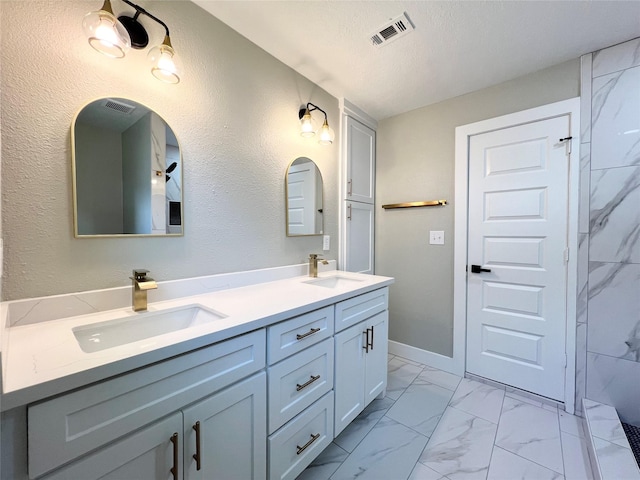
(311, 107)
(140, 10)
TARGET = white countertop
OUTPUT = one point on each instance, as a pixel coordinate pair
(44, 359)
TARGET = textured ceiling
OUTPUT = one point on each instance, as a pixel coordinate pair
(457, 46)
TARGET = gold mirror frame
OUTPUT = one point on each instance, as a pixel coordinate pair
(93, 118)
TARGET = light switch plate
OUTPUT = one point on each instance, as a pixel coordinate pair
(326, 243)
(436, 237)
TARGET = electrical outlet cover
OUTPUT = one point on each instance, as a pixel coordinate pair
(326, 243)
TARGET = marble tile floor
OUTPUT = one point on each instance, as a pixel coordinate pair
(433, 425)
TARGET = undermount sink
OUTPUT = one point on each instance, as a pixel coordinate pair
(333, 282)
(132, 328)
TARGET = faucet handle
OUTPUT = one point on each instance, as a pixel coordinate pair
(315, 255)
(140, 273)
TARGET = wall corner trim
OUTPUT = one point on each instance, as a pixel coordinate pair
(353, 111)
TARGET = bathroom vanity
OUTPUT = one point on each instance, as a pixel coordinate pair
(255, 389)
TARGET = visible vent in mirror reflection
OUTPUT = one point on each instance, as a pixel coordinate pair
(396, 28)
(119, 106)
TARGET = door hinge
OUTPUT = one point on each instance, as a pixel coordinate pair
(568, 141)
(565, 360)
(566, 256)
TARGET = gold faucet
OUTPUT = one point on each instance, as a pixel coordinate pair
(313, 264)
(141, 283)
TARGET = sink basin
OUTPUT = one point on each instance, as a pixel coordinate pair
(132, 328)
(333, 282)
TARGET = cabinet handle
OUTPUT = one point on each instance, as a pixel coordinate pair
(174, 469)
(304, 447)
(305, 335)
(348, 212)
(307, 383)
(366, 341)
(371, 337)
(196, 456)
(350, 187)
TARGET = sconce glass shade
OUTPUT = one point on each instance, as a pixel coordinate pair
(165, 65)
(326, 134)
(307, 125)
(105, 33)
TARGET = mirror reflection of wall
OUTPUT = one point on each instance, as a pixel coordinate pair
(127, 171)
(303, 186)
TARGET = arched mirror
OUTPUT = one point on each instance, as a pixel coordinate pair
(127, 171)
(303, 187)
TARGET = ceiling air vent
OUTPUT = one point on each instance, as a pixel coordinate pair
(119, 106)
(396, 28)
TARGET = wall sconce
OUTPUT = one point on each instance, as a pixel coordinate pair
(113, 38)
(307, 125)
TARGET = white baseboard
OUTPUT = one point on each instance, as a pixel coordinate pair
(425, 357)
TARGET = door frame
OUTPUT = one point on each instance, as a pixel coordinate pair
(569, 107)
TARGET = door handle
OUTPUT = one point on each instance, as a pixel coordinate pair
(174, 469)
(307, 383)
(305, 335)
(306, 445)
(479, 269)
(196, 456)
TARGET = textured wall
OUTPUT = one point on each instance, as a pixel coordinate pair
(608, 331)
(234, 113)
(415, 161)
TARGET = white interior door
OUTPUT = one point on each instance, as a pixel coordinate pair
(518, 205)
(301, 193)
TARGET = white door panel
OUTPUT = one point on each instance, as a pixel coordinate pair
(301, 195)
(359, 237)
(361, 155)
(516, 319)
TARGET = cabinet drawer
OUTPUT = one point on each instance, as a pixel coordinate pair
(354, 310)
(73, 424)
(312, 429)
(291, 336)
(298, 381)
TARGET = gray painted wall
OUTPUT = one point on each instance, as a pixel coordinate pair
(136, 172)
(415, 161)
(234, 113)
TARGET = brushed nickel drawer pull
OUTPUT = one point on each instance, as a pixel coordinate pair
(304, 447)
(305, 335)
(196, 456)
(174, 469)
(307, 383)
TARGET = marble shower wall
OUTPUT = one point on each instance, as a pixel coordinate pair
(608, 330)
